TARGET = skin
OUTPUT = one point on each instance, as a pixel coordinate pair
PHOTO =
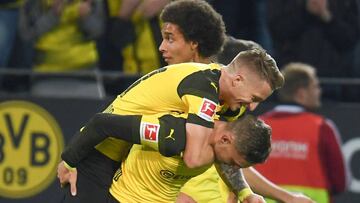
(223, 143)
(238, 92)
(175, 49)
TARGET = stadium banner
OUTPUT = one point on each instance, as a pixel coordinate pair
(34, 131)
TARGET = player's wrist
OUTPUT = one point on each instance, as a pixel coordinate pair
(70, 168)
(244, 193)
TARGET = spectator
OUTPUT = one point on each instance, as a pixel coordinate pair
(244, 19)
(62, 33)
(318, 32)
(131, 39)
(132, 36)
(9, 14)
(306, 152)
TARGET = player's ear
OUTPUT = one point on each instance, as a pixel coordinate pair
(238, 79)
(194, 45)
(226, 138)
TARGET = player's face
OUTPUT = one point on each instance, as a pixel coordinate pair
(227, 153)
(174, 48)
(247, 90)
(224, 147)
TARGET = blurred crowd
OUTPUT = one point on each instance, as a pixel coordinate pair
(123, 37)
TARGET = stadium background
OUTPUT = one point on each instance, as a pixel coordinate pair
(33, 130)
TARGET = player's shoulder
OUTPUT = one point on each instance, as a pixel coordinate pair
(191, 66)
(200, 81)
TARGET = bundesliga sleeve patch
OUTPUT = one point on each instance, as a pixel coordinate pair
(149, 131)
(207, 109)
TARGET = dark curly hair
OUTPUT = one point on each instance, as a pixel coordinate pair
(198, 22)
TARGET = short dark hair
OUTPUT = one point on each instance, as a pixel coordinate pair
(253, 138)
(233, 47)
(198, 22)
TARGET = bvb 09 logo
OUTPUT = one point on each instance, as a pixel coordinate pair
(30, 145)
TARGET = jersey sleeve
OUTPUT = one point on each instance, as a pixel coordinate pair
(199, 92)
(101, 126)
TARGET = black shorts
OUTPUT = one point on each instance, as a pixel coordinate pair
(94, 179)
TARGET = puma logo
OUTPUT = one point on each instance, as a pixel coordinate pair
(213, 84)
(170, 135)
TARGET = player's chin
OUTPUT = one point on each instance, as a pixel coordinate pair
(169, 61)
(234, 107)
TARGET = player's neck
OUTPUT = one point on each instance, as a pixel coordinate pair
(205, 60)
(219, 126)
(199, 59)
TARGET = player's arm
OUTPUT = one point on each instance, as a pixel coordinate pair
(266, 188)
(199, 92)
(197, 151)
(232, 176)
(259, 183)
(234, 179)
(129, 128)
(101, 126)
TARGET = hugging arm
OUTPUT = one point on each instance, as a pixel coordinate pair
(101, 126)
(170, 135)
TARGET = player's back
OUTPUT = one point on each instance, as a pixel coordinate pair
(162, 90)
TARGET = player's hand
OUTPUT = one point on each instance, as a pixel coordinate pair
(150, 8)
(300, 198)
(67, 176)
(232, 198)
(254, 198)
(85, 8)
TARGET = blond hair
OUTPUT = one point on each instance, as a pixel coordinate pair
(262, 63)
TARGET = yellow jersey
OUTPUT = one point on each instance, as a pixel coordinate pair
(207, 188)
(147, 176)
(190, 88)
(185, 88)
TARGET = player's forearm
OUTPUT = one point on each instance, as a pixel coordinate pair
(232, 176)
(101, 126)
(197, 152)
(265, 187)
